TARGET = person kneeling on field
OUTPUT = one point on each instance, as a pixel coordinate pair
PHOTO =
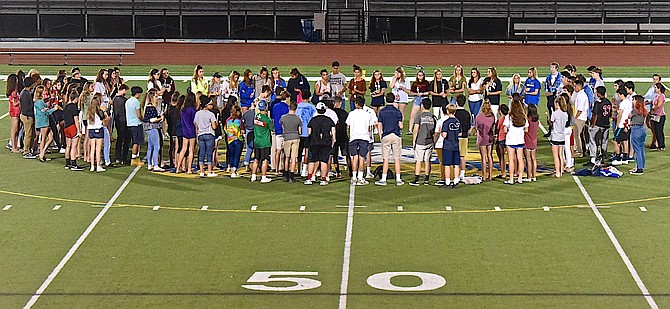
(389, 126)
(451, 156)
(321, 139)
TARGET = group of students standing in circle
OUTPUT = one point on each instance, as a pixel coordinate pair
(287, 129)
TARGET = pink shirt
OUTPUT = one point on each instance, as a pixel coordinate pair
(484, 127)
(659, 103)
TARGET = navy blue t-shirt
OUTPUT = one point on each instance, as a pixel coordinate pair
(453, 128)
(389, 117)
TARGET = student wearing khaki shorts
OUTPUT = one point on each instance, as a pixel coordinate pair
(423, 141)
(292, 127)
(389, 126)
(465, 119)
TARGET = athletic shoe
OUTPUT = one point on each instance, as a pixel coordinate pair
(158, 169)
(303, 173)
(76, 167)
(323, 183)
(453, 185)
(253, 178)
(67, 166)
(637, 171)
(362, 182)
(426, 183)
(369, 176)
(92, 169)
(354, 181)
(29, 155)
(380, 182)
(100, 169)
(399, 183)
(202, 175)
(265, 180)
(414, 183)
(234, 175)
(291, 178)
(308, 182)
(8, 146)
(61, 151)
(618, 162)
(212, 175)
(440, 183)
(338, 175)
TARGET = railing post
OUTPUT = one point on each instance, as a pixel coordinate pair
(274, 19)
(181, 21)
(132, 14)
(37, 9)
(246, 33)
(441, 26)
(85, 18)
(462, 23)
(416, 20)
(164, 25)
(229, 21)
(339, 26)
(509, 19)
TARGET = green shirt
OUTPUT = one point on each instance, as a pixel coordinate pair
(262, 128)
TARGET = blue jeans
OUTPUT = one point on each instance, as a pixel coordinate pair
(153, 141)
(638, 134)
(250, 149)
(106, 145)
(475, 106)
(206, 148)
(234, 152)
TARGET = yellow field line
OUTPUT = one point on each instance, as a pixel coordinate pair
(121, 205)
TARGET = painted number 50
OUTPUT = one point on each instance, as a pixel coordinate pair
(380, 281)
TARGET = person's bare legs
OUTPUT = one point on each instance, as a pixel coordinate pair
(520, 164)
(14, 134)
(512, 163)
(191, 148)
(484, 161)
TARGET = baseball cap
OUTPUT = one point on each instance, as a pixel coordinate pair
(321, 106)
(262, 105)
(217, 74)
(204, 101)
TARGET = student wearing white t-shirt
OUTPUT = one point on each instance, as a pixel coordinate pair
(360, 125)
(371, 145)
(621, 134)
(581, 102)
(475, 92)
(439, 141)
(515, 125)
(400, 87)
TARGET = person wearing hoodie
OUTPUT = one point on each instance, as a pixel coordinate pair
(297, 83)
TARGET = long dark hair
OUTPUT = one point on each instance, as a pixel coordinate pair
(532, 113)
(189, 101)
(517, 114)
(12, 84)
(479, 76)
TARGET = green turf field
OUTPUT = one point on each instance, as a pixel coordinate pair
(278, 256)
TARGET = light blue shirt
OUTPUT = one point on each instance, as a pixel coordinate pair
(132, 105)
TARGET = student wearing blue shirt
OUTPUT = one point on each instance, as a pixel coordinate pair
(305, 112)
(389, 124)
(551, 85)
(451, 157)
(278, 110)
(533, 87)
(246, 91)
(42, 113)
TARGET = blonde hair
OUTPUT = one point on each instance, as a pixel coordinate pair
(402, 73)
(438, 70)
(93, 109)
(486, 108)
(451, 108)
(534, 71)
(39, 93)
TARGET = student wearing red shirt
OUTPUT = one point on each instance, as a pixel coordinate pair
(357, 87)
(530, 142)
(419, 89)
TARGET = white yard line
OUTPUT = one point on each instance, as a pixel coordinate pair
(79, 241)
(347, 249)
(619, 249)
(4, 116)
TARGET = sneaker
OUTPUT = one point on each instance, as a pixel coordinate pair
(369, 176)
(158, 169)
(212, 175)
(637, 171)
(426, 183)
(61, 151)
(234, 175)
(76, 168)
(399, 183)
(100, 169)
(380, 182)
(354, 181)
(29, 155)
(338, 175)
(414, 183)
(67, 166)
(439, 183)
(363, 182)
(8, 146)
(290, 178)
(323, 183)
(202, 175)
(303, 173)
(92, 169)
(453, 185)
(265, 180)
(253, 178)
(619, 162)
(308, 182)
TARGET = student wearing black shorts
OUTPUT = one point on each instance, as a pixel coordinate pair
(341, 138)
(321, 139)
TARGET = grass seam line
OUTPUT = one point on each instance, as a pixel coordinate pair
(344, 286)
(617, 245)
(79, 242)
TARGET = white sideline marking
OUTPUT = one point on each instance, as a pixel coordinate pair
(204, 207)
(347, 249)
(497, 208)
(155, 208)
(542, 128)
(618, 247)
(400, 208)
(302, 208)
(4, 116)
(57, 207)
(7, 207)
(448, 208)
(79, 241)
(254, 207)
(643, 209)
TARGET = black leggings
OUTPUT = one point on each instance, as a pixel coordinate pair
(657, 128)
